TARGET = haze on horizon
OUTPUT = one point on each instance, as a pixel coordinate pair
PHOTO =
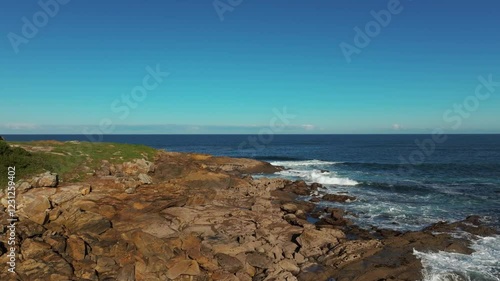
(213, 67)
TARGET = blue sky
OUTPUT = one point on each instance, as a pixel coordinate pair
(232, 75)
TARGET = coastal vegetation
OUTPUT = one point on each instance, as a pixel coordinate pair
(73, 161)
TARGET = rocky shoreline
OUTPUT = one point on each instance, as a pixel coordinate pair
(197, 217)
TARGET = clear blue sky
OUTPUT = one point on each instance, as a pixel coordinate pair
(228, 76)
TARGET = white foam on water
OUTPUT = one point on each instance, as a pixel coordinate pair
(482, 265)
(322, 177)
(304, 163)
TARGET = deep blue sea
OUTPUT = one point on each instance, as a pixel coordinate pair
(399, 182)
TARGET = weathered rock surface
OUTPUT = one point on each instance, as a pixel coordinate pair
(45, 180)
(198, 217)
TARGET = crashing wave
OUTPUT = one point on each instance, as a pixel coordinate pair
(482, 265)
(322, 177)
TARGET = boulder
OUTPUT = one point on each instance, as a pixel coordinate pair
(289, 208)
(313, 241)
(46, 179)
(298, 187)
(136, 167)
(37, 210)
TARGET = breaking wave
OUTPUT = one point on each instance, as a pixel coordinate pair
(322, 177)
(482, 265)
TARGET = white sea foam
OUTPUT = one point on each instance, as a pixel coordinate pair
(304, 163)
(482, 265)
(322, 177)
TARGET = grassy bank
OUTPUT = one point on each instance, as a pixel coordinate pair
(71, 160)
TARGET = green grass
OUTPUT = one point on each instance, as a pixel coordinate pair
(67, 159)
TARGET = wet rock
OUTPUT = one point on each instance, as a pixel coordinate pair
(315, 199)
(338, 198)
(298, 187)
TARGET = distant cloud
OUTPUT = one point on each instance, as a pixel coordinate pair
(308, 127)
(25, 128)
(396, 127)
(19, 126)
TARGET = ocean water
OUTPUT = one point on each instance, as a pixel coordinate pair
(399, 183)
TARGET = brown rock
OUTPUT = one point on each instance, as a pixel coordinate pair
(289, 208)
(313, 241)
(259, 260)
(86, 189)
(29, 229)
(57, 242)
(23, 186)
(149, 245)
(229, 263)
(37, 210)
(47, 179)
(298, 187)
(32, 249)
(78, 221)
(145, 179)
(136, 167)
(126, 273)
(290, 266)
(183, 267)
(352, 250)
(76, 248)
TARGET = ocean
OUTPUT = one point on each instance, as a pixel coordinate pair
(401, 182)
